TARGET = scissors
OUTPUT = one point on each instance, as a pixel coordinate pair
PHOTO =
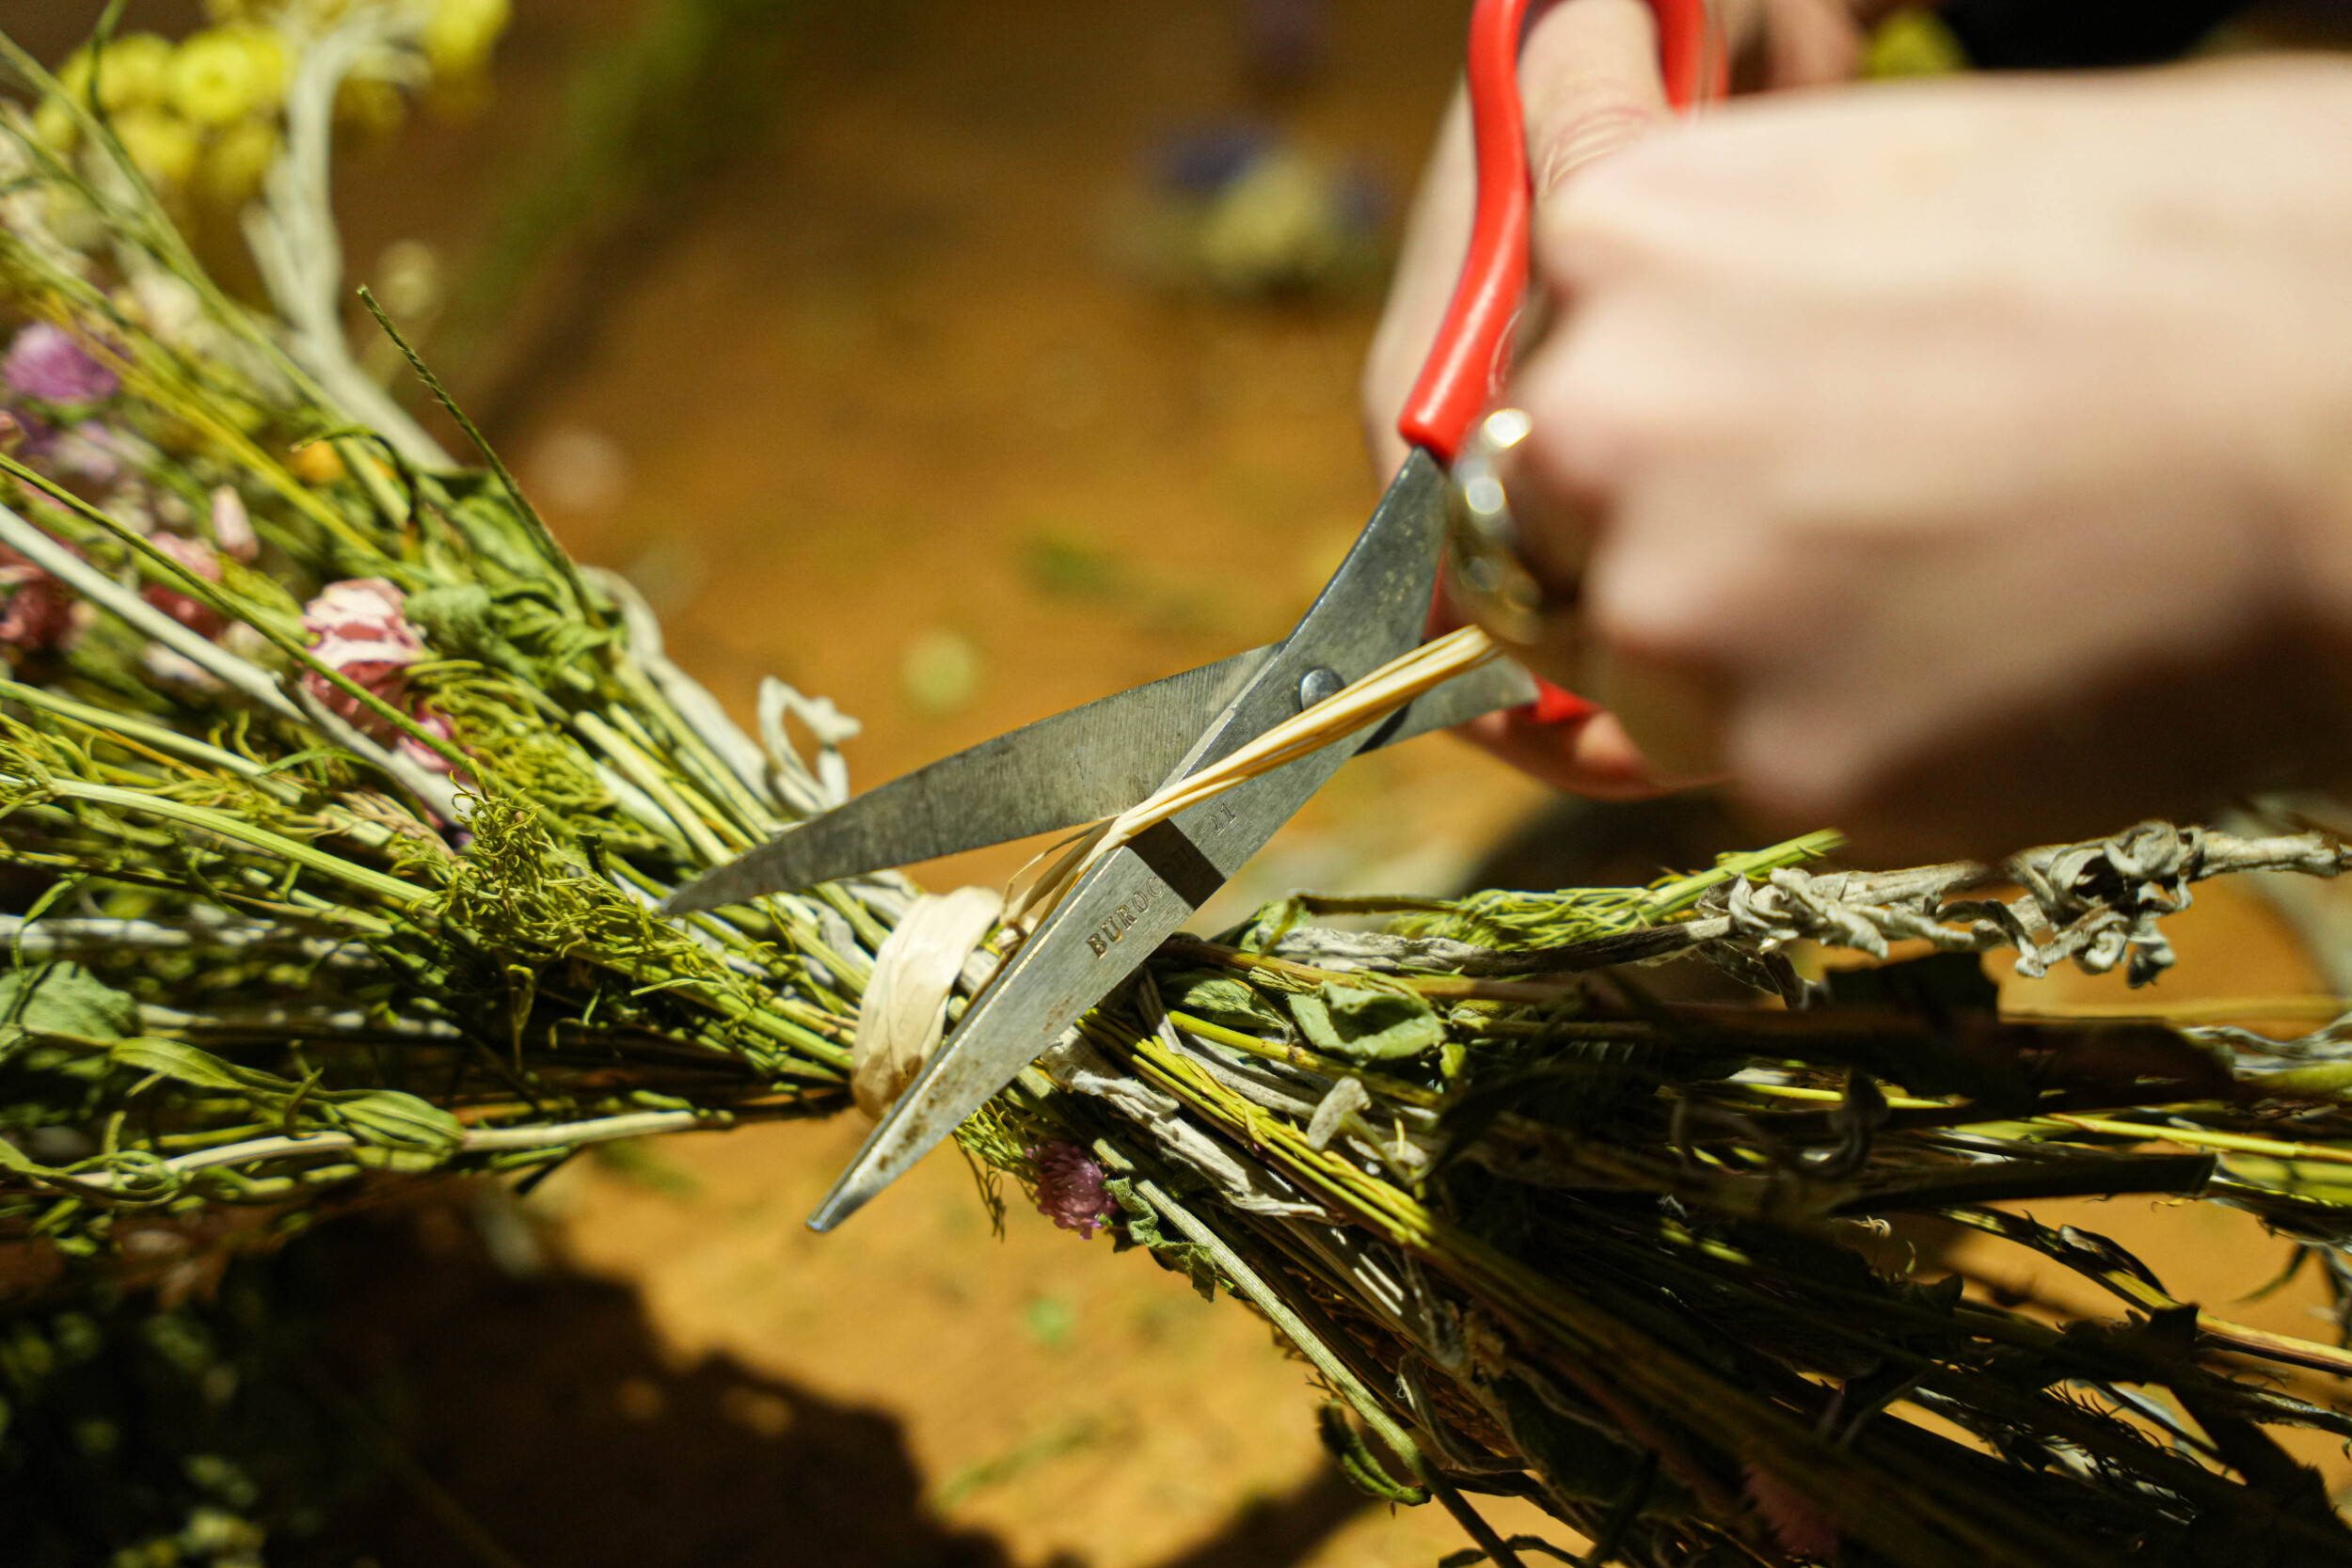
(1096, 761)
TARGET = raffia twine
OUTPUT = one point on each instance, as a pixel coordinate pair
(903, 1014)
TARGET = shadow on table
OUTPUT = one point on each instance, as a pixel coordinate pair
(538, 1425)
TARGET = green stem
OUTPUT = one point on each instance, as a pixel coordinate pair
(542, 537)
(209, 595)
(162, 739)
(1657, 903)
(237, 831)
(1252, 1286)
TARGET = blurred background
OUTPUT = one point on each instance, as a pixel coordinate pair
(961, 362)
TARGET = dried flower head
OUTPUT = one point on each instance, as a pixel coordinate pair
(37, 614)
(232, 530)
(1071, 1190)
(45, 362)
(359, 628)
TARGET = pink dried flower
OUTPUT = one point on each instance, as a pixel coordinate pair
(1800, 1527)
(1069, 1188)
(45, 362)
(199, 559)
(232, 531)
(425, 756)
(360, 630)
(362, 621)
(38, 614)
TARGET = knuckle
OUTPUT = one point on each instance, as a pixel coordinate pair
(1593, 439)
(1618, 213)
(1649, 601)
(1604, 119)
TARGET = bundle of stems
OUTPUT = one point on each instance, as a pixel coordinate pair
(338, 801)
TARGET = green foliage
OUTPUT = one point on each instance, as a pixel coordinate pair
(62, 999)
(1504, 918)
(1221, 998)
(1357, 1463)
(1365, 1026)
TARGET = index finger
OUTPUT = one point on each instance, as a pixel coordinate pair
(1589, 83)
(1589, 80)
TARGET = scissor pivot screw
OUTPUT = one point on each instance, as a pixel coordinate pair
(1318, 683)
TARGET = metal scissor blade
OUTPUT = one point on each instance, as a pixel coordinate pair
(1079, 766)
(1076, 767)
(1101, 932)
(1371, 611)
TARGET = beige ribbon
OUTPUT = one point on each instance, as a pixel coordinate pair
(904, 1012)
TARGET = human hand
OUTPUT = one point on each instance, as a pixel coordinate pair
(1961, 464)
(1590, 82)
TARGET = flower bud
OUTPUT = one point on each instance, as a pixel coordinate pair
(202, 563)
(232, 527)
(36, 614)
(236, 161)
(225, 73)
(54, 123)
(44, 362)
(317, 463)
(1071, 1189)
(459, 36)
(134, 73)
(164, 145)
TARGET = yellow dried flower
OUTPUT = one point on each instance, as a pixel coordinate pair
(136, 72)
(54, 123)
(459, 36)
(164, 145)
(1913, 42)
(234, 165)
(223, 74)
(316, 464)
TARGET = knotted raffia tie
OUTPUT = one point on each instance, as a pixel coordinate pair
(904, 1011)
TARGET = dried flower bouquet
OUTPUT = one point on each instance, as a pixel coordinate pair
(337, 800)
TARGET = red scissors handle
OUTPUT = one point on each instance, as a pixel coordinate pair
(1466, 366)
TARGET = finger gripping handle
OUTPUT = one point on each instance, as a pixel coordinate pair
(1471, 357)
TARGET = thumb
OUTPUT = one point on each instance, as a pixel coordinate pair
(1589, 80)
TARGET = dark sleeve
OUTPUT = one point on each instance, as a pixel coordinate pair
(2057, 35)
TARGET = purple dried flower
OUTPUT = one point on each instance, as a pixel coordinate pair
(1069, 1188)
(45, 362)
(88, 451)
